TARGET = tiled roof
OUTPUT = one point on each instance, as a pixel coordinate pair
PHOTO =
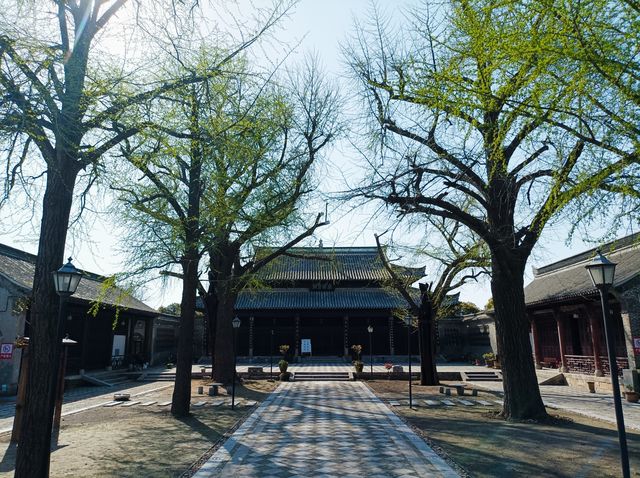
(19, 267)
(331, 264)
(568, 278)
(303, 299)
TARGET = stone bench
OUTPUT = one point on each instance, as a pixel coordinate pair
(254, 370)
(459, 387)
(213, 389)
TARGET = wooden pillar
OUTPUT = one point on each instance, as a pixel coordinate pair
(537, 352)
(392, 350)
(562, 340)
(594, 325)
(22, 395)
(251, 337)
(297, 349)
(345, 322)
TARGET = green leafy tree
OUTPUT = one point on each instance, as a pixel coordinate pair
(470, 110)
(462, 258)
(63, 103)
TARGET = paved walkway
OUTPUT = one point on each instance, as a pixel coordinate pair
(324, 429)
(594, 405)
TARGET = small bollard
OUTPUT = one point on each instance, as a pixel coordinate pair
(213, 390)
(200, 390)
(441, 389)
(447, 391)
(474, 392)
(203, 372)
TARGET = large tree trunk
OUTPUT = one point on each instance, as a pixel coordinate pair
(223, 359)
(32, 459)
(521, 392)
(426, 331)
(181, 399)
(211, 307)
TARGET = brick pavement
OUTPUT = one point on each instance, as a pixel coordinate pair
(324, 429)
(84, 398)
(593, 405)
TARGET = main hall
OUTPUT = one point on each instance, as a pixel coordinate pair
(326, 298)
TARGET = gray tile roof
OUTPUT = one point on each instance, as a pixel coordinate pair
(331, 264)
(568, 278)
(19, 267)
(304, 299)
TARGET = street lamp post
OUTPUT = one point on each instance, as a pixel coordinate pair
(370, 330)
(236, 325)
(65, 281)
(408, 322)
(602, 272)
(271, 356)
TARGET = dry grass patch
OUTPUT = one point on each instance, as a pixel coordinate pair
(566, 445)
(140, 441)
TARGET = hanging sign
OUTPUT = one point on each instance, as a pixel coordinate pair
(6, 351)
(306, 346)
(636, 345)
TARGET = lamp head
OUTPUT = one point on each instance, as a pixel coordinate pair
(601, 270)
(370, 328)
(236, 322)
(66, 279)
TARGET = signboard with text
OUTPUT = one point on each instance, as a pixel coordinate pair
(636, 345)
(6, 351)
(306, 346)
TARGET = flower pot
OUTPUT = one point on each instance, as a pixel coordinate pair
(285, 376)
(632, 396)
(359, 368)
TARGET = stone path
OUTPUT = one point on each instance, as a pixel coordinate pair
(324, 429)
(594, 405)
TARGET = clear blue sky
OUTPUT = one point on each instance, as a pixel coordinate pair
(322, 26)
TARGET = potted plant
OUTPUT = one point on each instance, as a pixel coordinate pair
(631, 395)
(388, 366)
(357, 363)
(284, 375)
(283, 364)
(489, 359)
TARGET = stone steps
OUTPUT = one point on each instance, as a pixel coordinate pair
(489, 376)
(157, 377)
(321, 376)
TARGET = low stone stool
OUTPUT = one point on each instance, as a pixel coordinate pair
(213, 389)
(397, 368)
(251, 370)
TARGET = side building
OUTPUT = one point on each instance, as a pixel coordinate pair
(565, 314)
(118, 334)
(325, 298)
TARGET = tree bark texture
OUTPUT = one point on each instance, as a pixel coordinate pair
(522, 398)
(223, 359)
(181, 400)
(32, 459)
(427, 338)
(211, 309)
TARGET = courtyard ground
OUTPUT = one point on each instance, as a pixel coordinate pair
(567, 445)
(139, 440)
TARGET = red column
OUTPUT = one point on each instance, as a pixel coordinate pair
(562, 341)
(537, 354)
(595, 340)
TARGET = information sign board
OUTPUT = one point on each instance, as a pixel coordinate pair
(306, 346)
(6, 351)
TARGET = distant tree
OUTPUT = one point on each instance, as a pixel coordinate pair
(471, 107)
(172, 309)
(464, 308)
(462, 260)
(489, 304)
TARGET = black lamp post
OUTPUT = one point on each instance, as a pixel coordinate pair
(370, 330)
(407, 320)
(236, 325)
(271, 356)
(65, 280)
(602, 272)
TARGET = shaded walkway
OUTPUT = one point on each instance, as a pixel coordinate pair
(324, 429)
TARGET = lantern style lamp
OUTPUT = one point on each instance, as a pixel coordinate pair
(602, 272)
(236, 325)
(370, 330)
(66, 279)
